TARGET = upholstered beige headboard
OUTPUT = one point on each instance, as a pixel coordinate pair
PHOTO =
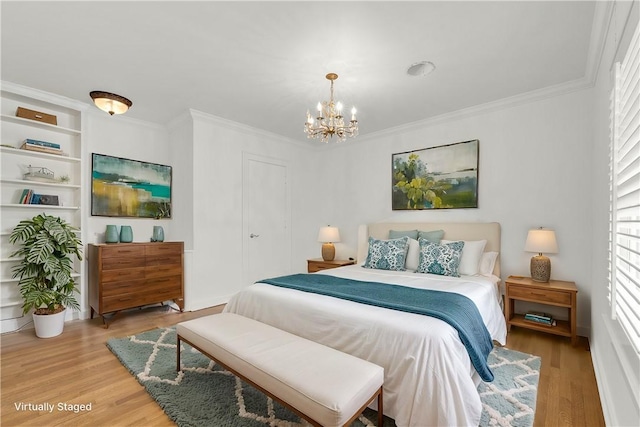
(489, 231)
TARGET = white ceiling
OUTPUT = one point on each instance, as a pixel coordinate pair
(263, 63)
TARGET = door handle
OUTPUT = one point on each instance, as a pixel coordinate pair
(253, 236)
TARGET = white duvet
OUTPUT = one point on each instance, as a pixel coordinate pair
(429, 378)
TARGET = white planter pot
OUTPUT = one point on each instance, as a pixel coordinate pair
(49, 325)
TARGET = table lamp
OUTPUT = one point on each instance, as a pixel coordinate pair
(541, 241)
(328, 236)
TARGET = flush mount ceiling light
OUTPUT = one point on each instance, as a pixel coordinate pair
(330, 120)
(110, 102)
(421, 68)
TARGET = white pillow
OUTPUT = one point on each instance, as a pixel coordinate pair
(471, 254)
(413, 255)
(487, 263)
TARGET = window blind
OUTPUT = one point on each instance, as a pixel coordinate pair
(624, 218)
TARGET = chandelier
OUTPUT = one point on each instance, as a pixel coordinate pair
(330, 120)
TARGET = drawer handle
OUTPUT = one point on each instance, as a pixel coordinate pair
(125, 299)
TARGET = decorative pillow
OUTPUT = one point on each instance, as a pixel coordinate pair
(413, 256)
(433, 236)
(387, 254)
(396, 234)
(471, 254)
(440, 259)
(487, 263)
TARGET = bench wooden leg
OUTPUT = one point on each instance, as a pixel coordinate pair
(178, 353)
(380, 414)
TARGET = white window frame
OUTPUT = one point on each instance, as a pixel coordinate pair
(624, 231)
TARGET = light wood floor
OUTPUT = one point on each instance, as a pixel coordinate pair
(77, 368)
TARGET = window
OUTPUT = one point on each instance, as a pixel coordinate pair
(624, 231)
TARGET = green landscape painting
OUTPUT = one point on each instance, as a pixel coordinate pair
(443, 177)
(129, 188)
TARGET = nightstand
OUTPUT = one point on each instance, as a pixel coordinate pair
(318, 264)
(557, 293)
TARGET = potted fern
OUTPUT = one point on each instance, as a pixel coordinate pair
(44, 272)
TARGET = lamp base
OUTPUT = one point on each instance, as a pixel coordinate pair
(540, 268)
(328, 251)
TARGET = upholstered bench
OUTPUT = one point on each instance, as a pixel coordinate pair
(322, 385)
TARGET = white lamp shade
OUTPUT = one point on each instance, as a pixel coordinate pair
(329, 235)
(541, 241)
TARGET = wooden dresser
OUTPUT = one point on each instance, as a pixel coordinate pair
(128, 275)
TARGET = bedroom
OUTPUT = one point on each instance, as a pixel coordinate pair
(527, 147)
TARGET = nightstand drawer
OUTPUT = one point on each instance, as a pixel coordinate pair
(318, 267)
(547, 296)
(314, 265)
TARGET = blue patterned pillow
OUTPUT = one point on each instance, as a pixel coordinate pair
(387, 254)
(440, 259)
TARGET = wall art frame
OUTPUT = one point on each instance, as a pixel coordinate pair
(441, 177)
(130, 188)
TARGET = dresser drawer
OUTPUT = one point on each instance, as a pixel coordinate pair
(121, 250)
(163, 283)
(119, 263)
(123, 288)
(152, 272)
(123, 275)
(160, 249)
(547, 296)
(173, 260)
(124, 301)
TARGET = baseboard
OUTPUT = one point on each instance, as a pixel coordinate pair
(603, 389)
(206, 303)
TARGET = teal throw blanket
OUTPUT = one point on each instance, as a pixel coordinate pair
(455, 309)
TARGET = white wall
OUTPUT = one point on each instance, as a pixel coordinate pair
(616, 364)
(216, 168)
(534, 170)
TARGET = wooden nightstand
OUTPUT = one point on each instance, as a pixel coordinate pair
(556, 292)
(318, 264)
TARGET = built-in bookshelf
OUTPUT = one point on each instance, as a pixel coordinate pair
(61, 178)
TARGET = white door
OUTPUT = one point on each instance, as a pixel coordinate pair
(266, 217)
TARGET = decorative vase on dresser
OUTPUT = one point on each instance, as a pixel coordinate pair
(126, 234)
(158, 234)
(111, 235)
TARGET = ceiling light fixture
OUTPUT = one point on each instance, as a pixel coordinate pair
(110, 102)
(330, 120)
(421, 68)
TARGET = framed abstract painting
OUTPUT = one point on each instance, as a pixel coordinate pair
(129, 188)
(443, 177)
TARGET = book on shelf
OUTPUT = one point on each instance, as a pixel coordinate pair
(539, 315)
(40, 148)
(541, 322)
(26, 197)
(29, 197)
(546, 321)
(23, 196)
(42, 143)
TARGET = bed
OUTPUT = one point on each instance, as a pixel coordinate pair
(429, 377)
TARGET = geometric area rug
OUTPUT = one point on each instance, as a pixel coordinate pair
(203, 394)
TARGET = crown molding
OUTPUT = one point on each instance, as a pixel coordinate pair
(43, 96)
(501, 104)
(240, 127)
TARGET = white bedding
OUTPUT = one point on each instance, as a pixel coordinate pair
(429, 378)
